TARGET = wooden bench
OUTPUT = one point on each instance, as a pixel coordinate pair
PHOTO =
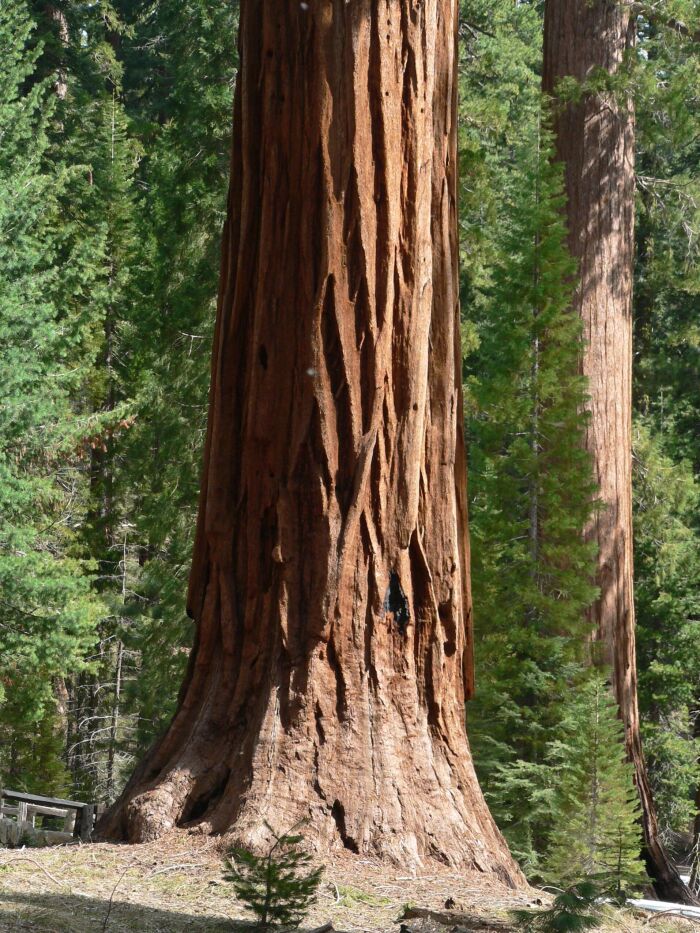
(78, 817)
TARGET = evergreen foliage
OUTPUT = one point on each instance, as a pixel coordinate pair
(666, 380)
(275, 886)
(125, 212)
(573, 910)
(48, 610)
(596, 833)
(667, 558)
(135, 167)
(96, 251)
(500, 51)
(531, 492)
(180, 63)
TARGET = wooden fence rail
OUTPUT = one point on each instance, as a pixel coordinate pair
(78, 817)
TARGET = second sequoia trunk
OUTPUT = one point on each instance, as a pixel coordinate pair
(585, 39)
(330, 580)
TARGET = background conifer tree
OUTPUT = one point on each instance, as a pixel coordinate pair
(531, 492)
(179, 67)
(667, 558)
(666, 380)
(48, 609)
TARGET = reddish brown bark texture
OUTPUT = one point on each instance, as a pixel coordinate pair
(596, 142)
(330, 578)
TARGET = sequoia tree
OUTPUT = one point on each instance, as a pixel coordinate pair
(586, 47)
(330, 583)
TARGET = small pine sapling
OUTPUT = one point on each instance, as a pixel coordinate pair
(275, 886)
(573, 911)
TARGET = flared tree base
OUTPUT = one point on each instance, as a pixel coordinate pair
(405, 797)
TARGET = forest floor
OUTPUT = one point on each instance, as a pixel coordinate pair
(176, 885)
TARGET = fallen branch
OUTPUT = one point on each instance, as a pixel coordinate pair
(25, 858)
(111, 896)
(162, 871)
(654, 915)
(452, 918)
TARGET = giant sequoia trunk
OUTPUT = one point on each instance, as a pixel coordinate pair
(330, 578)
(595, 141)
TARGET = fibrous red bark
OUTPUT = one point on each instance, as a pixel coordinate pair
(595, 139)
(330, 578)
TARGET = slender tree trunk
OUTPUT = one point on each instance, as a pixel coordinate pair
(62, 35)
(116, 697)
(695, 856)
(330, 577)
(114, 724)
(595, 140)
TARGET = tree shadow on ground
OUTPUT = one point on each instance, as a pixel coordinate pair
(71, 913)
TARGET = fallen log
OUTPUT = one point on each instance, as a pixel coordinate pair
(454, 919)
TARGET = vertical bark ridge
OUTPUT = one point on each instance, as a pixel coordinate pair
(330, 579)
